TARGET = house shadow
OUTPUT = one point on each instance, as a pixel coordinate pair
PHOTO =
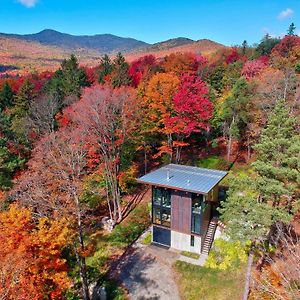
(134, 271)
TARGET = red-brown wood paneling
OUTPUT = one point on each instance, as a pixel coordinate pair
(175, 202)
(181, 211)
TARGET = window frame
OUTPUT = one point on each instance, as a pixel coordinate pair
(197, 214)
(160, 207)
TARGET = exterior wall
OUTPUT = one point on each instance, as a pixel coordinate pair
(181, 211)
(182, 242)
(213, 195)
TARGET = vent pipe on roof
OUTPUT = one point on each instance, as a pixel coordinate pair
(168, 174)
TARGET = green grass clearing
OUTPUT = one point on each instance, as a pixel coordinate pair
(210, 284)
(213, 162)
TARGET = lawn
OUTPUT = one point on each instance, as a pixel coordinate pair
(200, 283)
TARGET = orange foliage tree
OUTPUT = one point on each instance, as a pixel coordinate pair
(31, 263)
(52, 186)
(159, 95)
(180, 63)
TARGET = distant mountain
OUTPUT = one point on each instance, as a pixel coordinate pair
(162, 49)
(45, 50)
(180, 41)
(103, 43)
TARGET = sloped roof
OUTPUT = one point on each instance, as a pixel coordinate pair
(185, 178)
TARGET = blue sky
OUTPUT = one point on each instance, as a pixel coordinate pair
(227, 22)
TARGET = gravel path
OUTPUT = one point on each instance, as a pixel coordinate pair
(146, 272)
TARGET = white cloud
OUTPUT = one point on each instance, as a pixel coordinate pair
(28, 3)
(286, 13)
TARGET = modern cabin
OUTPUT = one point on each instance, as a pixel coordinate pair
(183, 201)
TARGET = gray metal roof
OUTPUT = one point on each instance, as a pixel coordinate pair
(185, 178)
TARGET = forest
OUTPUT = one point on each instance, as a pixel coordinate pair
(73, 141)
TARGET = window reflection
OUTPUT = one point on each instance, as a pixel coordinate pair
(161, 206)
(197, 201)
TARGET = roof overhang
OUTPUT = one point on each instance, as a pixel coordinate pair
(184, 178)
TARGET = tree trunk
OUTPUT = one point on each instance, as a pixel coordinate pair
(248, 275)
(230, 139)
(229, 147)
(83, 276)
(248, 149)
(170, 145)
(145, 158)
(81, 260)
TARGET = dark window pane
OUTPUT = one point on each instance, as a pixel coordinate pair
(196, 223)
(192, 241)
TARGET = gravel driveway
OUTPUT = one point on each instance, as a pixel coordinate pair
(146, 272)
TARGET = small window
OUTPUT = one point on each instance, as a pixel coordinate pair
(192, 241)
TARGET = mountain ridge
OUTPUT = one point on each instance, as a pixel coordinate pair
(104, 43)
(24, 55)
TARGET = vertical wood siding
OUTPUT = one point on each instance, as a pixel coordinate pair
(181, 210)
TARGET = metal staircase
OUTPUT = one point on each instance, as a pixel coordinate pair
(209, 238)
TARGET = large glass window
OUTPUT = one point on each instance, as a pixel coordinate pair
(161, 206)
(196, 213)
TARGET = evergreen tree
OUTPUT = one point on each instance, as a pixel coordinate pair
(54, 88)
(72, 76)
(20, 110)
(266, 45)
(105, 68)
(6, 96)
(291, 30)
(248, 219)
(22, 100)
(8, 165)
(120, 75)
(244, 47)
(278, 162)
(255, 204)
(215, 79)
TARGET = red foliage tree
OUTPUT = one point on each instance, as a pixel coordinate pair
(192, 108)
(253, 68)
(105, 117)
(142, 68)
(286, 45)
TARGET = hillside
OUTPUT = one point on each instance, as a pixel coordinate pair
(162, 49)
(19, 56)
(103, 43)
(46, 50)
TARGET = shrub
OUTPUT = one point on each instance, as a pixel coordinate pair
(226, 255)
(147, 240)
